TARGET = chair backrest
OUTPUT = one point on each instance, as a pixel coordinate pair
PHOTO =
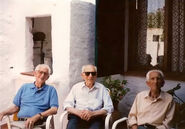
(63, 120)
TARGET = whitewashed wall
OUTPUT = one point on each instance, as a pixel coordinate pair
(73, 31)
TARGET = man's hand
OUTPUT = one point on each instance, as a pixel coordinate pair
(134, 126)
(30, 121)
(86, 115)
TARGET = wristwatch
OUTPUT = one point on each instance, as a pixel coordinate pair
(41, 116)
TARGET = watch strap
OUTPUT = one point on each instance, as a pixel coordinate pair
(41, 116)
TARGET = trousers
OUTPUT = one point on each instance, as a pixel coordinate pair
(76, 122)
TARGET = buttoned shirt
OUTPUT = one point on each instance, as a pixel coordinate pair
(83, 98)
(32, 100)
(158, 112)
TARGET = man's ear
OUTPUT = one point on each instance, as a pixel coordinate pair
(162, 83)
(48, 77)
(34, 73)
(82, 76)
(147, 83)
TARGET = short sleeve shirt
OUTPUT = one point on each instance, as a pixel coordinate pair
(32, 100)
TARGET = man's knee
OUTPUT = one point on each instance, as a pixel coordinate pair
(96, 125)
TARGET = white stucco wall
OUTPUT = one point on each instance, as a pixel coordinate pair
(73, 31)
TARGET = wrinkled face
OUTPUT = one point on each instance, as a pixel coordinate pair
(41, 75)
(89, 75)
(155, 81)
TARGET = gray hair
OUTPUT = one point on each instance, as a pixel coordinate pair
(39, 66)
(155, 70)
(84, 66)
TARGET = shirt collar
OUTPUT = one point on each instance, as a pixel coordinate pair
(147, 93)
(33, 86)
(94, 86)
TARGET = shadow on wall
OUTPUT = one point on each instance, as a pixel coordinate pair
(82, 38)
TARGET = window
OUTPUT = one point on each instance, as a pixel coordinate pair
(39, 42)
(42, 48)
(156, 36)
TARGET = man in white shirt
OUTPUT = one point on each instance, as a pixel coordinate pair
(154, 108)
(88, 101)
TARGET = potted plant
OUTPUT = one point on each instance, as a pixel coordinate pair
(117, 89)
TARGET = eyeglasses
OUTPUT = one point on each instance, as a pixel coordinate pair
(88, 73)
(42, 72)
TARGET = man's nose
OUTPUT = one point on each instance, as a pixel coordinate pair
(155, 80)
(42, 74)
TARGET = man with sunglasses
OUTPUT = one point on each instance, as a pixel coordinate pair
(88, 101)
(34, 101)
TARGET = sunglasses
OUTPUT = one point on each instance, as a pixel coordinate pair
(88, 73)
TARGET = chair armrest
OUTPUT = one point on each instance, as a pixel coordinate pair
(119, 121)
(49, 122)
(107, 120)
(62, 119)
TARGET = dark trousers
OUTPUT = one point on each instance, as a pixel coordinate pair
(76, 122)
(146, 127)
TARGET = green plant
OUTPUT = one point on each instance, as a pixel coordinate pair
(117, 88)
(179, 119)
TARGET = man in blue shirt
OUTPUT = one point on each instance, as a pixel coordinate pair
(35, 101)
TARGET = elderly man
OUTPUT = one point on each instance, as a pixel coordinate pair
(34, 101)
(153, 109)
(88, 101)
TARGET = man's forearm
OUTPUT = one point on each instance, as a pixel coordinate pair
(74, 111)
(99, 113)
(51, 111)
(11, 110)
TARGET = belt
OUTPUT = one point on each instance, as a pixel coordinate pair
(148, 126)
(39, 122)
(22, 119)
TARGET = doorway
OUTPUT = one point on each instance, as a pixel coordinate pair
(42, 47)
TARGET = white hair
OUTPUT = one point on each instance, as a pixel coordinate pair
(39, 66)
(155, 70)
(84, 66)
